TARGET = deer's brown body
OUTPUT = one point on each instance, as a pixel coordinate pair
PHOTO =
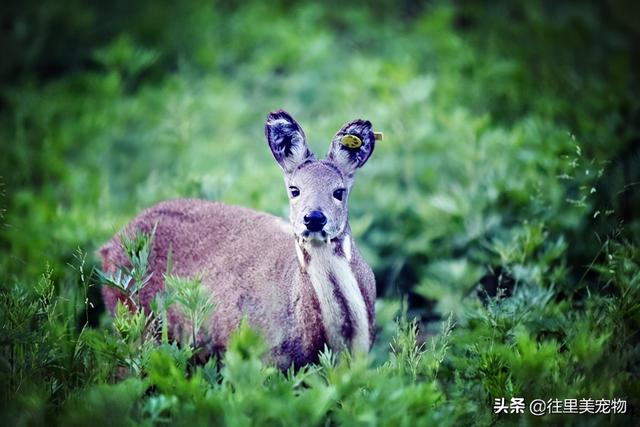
(302, 286)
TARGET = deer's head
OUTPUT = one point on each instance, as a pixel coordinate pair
(318, 189)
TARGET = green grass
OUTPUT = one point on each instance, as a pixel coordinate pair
(510, 162)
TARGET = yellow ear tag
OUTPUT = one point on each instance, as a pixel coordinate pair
(351, 141)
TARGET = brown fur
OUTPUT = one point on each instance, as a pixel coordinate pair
(249, 263)
(303, 287)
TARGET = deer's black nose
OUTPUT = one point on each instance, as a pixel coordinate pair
(315, 220)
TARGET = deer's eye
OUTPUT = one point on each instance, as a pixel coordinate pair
(295, 191)
(339, 193)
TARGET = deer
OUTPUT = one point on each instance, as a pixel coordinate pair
(303, 284)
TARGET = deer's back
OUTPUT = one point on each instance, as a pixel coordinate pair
(247, 259)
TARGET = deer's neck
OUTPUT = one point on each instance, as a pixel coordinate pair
(342, 305)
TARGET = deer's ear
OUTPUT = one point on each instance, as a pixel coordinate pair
(286, 140)
(352, 146)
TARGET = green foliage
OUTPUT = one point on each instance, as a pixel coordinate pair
(503, 201)
(131, 281)
(193, 299)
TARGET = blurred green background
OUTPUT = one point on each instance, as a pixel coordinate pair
(511, 156)
(498, 120)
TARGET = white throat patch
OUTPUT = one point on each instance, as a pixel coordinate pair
(338, 291)
(346, 246)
